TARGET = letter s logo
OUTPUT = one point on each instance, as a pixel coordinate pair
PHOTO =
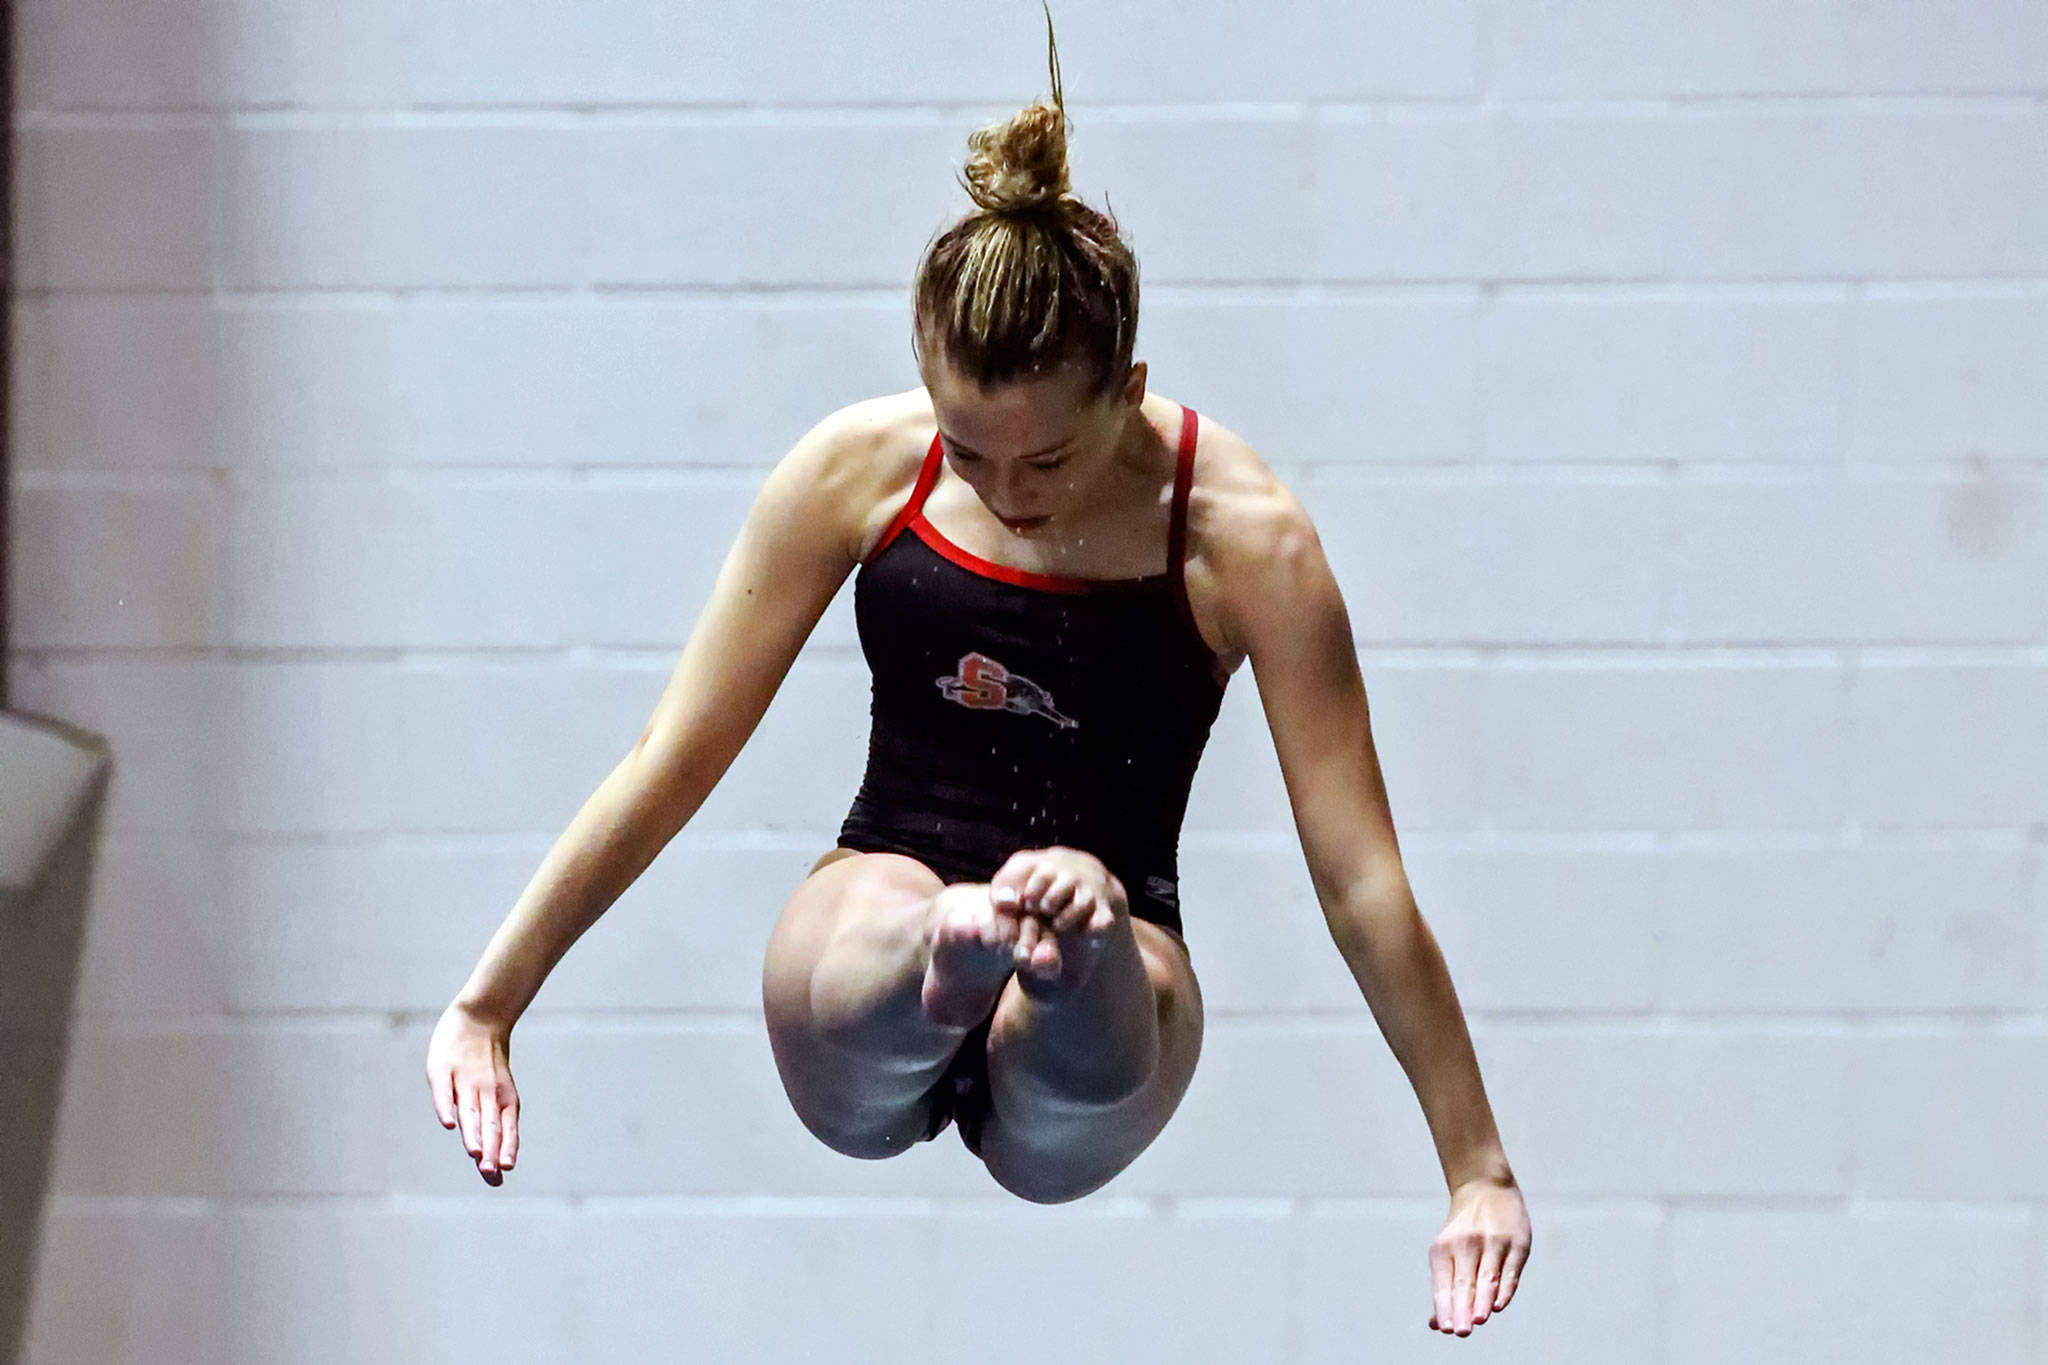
(979, 684)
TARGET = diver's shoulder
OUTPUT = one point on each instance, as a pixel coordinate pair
(883, 430)
(1239, 509)
(866, 456)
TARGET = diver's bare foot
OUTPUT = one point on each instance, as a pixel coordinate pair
(1067, 904)
(971, 955)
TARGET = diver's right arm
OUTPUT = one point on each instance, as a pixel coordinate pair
(799, 541)
(787, 563)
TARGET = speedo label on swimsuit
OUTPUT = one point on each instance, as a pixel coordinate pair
(983, 684)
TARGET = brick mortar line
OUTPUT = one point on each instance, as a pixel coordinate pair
(1662, 475)
(1855, 290)
(1645, 656)
(1173, 289)
(601, 114)
(1845, 1026)
(1164, 1207)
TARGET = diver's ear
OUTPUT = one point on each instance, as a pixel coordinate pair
(1134, 386)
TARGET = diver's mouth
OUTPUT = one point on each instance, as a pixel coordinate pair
(1025, 523)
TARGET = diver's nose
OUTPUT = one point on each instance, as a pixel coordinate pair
(1003, 492)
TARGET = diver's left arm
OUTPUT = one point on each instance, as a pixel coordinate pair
(1282, 604)
(1293, 626)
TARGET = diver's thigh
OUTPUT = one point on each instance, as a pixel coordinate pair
(1056, 1157)
(842, 882)
(851, 1094)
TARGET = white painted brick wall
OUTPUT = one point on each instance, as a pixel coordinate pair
(1670, 385)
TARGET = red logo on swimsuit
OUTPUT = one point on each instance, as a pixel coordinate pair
(986, 685)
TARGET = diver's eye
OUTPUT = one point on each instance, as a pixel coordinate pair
(1051, 464)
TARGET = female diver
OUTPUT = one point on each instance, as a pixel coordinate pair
(1058, 572)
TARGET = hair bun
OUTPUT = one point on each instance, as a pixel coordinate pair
(1019, 166)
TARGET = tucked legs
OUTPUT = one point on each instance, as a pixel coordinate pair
(877, 970)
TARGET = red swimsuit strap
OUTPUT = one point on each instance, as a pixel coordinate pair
(1183, 480)
(926, 477)
(1177, 529)
(1177, 533)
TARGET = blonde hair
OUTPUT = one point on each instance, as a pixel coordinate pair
(1033, 278)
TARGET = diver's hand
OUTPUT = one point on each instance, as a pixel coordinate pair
(1064, 902)
(1476, 1261)
(469, 1071)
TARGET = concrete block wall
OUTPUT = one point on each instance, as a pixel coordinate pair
(1669, 383)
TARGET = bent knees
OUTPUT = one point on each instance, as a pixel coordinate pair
(836, 977)
(849, 885)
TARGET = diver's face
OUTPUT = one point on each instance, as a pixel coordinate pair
(1033, 448)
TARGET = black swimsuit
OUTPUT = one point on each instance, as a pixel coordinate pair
(1013, 709)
